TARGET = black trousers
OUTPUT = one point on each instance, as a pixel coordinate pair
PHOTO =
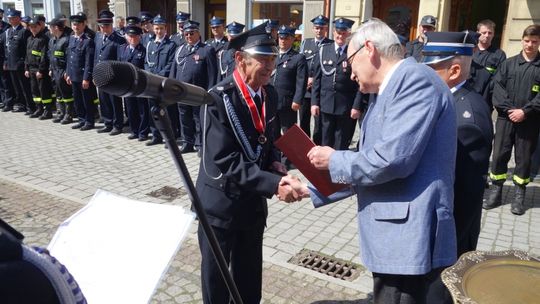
(286, 118)
(305, 116)
(6, 90)
(190, 122)
(337, 130)
(21, 89)
(41, 88)
(243, 252)
(64, 93)
(139, 116)
(410, 289)
(523, 137)
(112, 110)
(84, 102)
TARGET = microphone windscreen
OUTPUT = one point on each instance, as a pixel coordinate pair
(115, 77)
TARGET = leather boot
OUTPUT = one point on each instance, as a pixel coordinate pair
(518, 204)
(61, 112)
(47, 112)
(68, 117)
(38, 111)
(495, 197)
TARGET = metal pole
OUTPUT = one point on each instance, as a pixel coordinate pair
(163, 124)
(332, 17)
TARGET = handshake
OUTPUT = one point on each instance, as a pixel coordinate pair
(291, 189)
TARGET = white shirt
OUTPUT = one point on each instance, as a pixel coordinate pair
(458, 86)
(388, 76)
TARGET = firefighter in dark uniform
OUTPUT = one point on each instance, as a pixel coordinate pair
(181, 19)
(133, 21)
(15, 53)
(225, 59)
(58, 45)
(5, 94)
(146, 25)
(138, 110)
(310, 48)
(194, 63)
(36, 68)
(79, 68)
(272, 26)
(236, 176)
(159, 58)
(517, 101)
(289, 79)
(107, 42)
(450, 55)
(414, 48)
(334, 95)
(218, 40)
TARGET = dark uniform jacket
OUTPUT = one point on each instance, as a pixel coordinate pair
(80, 54)
(37, 49)
(135, 57)
(4, 26)
(483, 67)
(516, 86)
(58, 54)
(475, 134)
(414, 49)
(237, 199)
(225, 62)
(217, 45)
(196, 66)
(159, 57)
(490, 58)
(15, 47)
(310, 49)
(108, 49)
(178, 39)
(334, 93)
(290, 78)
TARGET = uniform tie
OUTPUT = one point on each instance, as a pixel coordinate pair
(257, 100)
(338, 52)
(104, 38)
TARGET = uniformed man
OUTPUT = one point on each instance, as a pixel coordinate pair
(236, 170)
(3, 25)
(79, 69)
(450, 55)
(334, 95)
(107, 42)
(134, 21)
(272, 26)
(120, 25)
(15, 53)
(146, 25)
(138, 111)
(414, 48)
(487, 57)
(194, 63)
(36, 68)
(58, 45)
(310, 48)
(289, 79)
(159, 58)
(24, 21)
(226, 58)
(178, 37)
(517, 101)
(218, 40)
(5, 91)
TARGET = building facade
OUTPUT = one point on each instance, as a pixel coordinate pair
(511, 16)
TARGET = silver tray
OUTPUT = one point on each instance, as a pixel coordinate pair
(494, 278)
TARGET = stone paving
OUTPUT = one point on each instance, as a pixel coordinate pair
(48, 171)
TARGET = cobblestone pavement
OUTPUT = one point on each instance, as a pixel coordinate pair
(47, 171)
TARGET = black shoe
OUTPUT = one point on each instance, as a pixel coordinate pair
(19, 110)
(143, 138)
(132, 136)
(186, 148)
(7, 109)
(77, 126)
(87, 127)
(115, 131)
(154, 142)
(105, 130)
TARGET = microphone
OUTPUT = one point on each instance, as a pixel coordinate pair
(123, 79)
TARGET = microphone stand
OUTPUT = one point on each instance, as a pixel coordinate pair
(163, 124)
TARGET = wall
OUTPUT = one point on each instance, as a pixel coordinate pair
(521, 13)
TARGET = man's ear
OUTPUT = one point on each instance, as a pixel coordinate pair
(455, 71)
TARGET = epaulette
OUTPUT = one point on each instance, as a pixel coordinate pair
(332, 42)
(222, 86)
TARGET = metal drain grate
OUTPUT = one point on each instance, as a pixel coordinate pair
(167, 193)
(326, 265)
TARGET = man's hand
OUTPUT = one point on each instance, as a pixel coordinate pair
(516, 115)
(50, 73)
(26, 74)
(295, 106)
(315, 111)
(85, 84)
(68, 80)
(39, 75)
(286, 193)
(355, 114)
(309, 82)
(279, 167)
(320, 157)
(296, 184)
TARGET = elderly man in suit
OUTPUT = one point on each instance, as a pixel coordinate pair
(403, 172)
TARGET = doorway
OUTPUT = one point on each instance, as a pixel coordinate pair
(167, 10)
(400, 15)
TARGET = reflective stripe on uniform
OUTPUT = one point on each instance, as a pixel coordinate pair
(46, 101)
(491, 70)
(520, 181)
(36, 53)
(96, 101)
(58, 53)
(497, 177)
(67, 100)
(37, 99)
(536, 88)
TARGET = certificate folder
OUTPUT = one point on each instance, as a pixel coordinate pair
(295, 144)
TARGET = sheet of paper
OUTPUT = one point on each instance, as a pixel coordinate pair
(118, 249)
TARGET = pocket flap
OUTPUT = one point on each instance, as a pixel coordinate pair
(390, 211)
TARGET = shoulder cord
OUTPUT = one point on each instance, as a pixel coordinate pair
(325, 72)
(177, 54)
(220, 59)
(148, 61)
(65, 286)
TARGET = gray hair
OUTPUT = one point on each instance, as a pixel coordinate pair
(382, 37)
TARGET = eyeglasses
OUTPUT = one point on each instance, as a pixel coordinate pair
(351, 58)
(189, 33)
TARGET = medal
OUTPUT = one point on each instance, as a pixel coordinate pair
(344, 65)
(285, 64)
(262, 139)
(196, 57)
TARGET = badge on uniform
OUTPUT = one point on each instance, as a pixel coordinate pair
(309, 51)
(196, 58)
(330, 62)
(344, 65)
(467, 114)
(285, 64)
